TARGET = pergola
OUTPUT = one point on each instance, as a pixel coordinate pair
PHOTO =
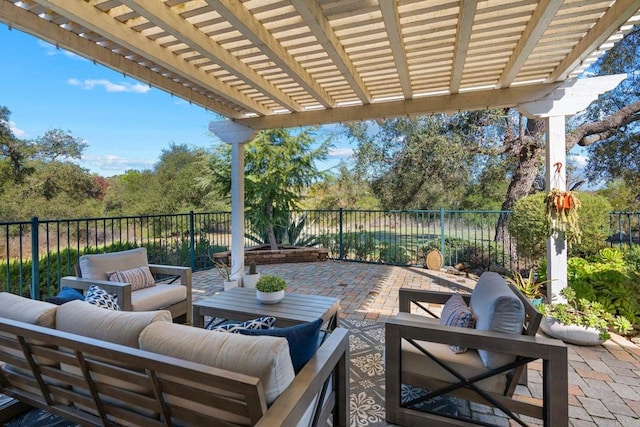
(285, 63)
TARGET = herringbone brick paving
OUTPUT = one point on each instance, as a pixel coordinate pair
(604, 381)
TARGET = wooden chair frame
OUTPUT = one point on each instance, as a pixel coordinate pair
(553, 409)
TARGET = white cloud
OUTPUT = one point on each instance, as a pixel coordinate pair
(19, 133)
(578, 160)
(340, 153)
(51, 50)
(109, 86)
(109, 164)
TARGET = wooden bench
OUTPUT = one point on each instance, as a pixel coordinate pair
(156, 390)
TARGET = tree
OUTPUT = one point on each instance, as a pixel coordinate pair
(344, 189)
(279, 167)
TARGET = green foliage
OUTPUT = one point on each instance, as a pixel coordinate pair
(529, 286)
(345, 189)
(527, 226)
(594, 223)
(606, 278)
(582, 312)
(394, 254)
(271, 283)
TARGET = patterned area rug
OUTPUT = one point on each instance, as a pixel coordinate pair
(366, 353)
(366, 346)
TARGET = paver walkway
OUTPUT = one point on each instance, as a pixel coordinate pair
(604, 381)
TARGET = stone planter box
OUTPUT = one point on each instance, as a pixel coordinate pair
(262, 255)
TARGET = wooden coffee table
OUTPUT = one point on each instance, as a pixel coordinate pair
(240, 304)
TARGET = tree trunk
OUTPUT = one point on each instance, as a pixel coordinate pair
(530, 151)
(273, 243)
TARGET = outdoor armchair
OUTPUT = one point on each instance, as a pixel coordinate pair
(95, 269)
(418, 353)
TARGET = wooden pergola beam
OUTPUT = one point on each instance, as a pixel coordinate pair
(392, 23)
(463, 37)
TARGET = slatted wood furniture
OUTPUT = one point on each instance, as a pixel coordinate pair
(241, 304)
(417, 353)
(174, 297)
(96, 382)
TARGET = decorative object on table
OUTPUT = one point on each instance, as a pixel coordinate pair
(562, 210)
(433, 260)
(529, 287)
(224, 270)
(581, 322)
(250, 279)
(270, 289)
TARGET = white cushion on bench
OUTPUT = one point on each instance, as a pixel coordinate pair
(497, 309)
(26, 310)
(264, 357)
(119, 327)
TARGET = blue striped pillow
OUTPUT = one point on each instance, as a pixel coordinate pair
(456, 313)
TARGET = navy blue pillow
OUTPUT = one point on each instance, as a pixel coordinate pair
(65, 295)
(303, 340)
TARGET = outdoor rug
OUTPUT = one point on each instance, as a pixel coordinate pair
(366, 346)
(366, 353)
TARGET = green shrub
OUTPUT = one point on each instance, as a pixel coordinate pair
(394, 254)
(594, 223)
(527, 226)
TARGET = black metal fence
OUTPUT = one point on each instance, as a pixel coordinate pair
(35, 254)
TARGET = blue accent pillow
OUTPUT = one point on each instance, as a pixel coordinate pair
(65, 295)
(303, 340)
(98, 296)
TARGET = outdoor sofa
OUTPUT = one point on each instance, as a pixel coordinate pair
(94, 366)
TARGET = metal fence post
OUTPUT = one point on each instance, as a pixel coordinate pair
(442, 233)
(35, 260)
(340, 236)
(192, 241)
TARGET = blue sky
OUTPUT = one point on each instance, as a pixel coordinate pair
(125, 123)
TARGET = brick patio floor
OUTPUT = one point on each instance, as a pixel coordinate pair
(604, 381)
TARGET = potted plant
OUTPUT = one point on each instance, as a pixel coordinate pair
(225, 272)
(529, 287)
(581, 322)
(562, 214)
(250, 279)
(270, 289)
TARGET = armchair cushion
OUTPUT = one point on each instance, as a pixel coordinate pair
(101, 298)
(456, 313)
(496, 309)
(138, 278)
(468, 364)
(157, 296)
(96, 266)
(34, 312)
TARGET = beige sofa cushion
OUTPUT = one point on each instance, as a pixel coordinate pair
(120, 327)
(96, 266)
(26, 310)
(157, 296)
(264, 357)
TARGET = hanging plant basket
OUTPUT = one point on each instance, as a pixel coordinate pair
(562, 214)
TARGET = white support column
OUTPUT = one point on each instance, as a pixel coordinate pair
(237, 210)
(556, 178)
(236, 135)
(568, 99)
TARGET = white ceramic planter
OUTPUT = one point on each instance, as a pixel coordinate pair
(572, 334)
(270, 297)
(230, 284)
(249, 280)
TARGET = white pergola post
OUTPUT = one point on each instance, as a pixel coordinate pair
(568, 99)
(236, 135)
(556, 161)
